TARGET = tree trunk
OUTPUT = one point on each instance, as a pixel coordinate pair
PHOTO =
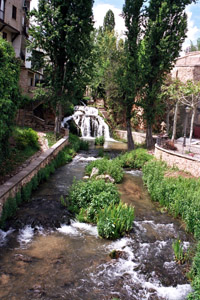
(58, 119)
(131, 145)
(149, 136)
(175, 122)
(192, 125)
(167, 122)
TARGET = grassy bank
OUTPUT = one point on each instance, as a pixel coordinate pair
(23, 144)
(180, 196)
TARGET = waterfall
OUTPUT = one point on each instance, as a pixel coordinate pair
(89, 122)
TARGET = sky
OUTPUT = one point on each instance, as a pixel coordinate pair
(102, 6)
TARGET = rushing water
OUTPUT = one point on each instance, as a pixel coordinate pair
(72, 262)
(89, 122)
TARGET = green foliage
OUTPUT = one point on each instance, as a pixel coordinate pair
(26, 137)
(52, 138)
(9, 94)
(106, 166)
(181, 197)
(177, 247)
(99, 141)
(134, 159)
(67, 45)
(91, 195)
(109, 21)
(115, 220)
(195, 276)
(84, 145)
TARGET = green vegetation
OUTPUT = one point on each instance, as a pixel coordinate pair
(99, 141)
(106, 166)
(96, 201)
(177, 246)
(134, 159)
(181, 198)
(9, 95)
(115, 220)
(25, 144)
(26, 137)
(67, 63)
(51, 138)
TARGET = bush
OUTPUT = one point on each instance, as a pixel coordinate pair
(99, 141)
(84, 145)
(26, 138)
(115, 220)
(91, 195)
(134, 159)
(106, 166)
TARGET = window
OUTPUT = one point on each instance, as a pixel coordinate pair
(14, 12)
(4, 35)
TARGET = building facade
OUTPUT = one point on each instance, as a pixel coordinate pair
(14, 28)
(188, 68)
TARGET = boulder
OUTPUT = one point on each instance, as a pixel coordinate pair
(106, 178)
(94, 172)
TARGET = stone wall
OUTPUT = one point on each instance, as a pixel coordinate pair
(138, 137)
(182, 162)
(14, 185)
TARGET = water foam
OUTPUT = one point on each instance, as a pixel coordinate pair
(69, 230)
(4, 235)
(25, 235)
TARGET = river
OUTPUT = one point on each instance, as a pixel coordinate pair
(72, 262)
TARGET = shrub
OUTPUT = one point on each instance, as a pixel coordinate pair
(115, 220)
(25, 138)
(99, 141)
(135, 159)
(106, 166)
(84, 145)
(94, 193)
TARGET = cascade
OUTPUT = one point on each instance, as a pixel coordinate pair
(89, 122)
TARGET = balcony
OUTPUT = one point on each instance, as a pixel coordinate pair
(2, 15)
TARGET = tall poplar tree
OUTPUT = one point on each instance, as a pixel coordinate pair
(62, 30)
(132, 13)
(109, 21)
(155, 34)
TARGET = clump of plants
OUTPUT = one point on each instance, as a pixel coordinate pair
(106, 166)
(99, 141)
(26, 137)
(115, 220)
(98, 202)
(177, 247)
(134, 159)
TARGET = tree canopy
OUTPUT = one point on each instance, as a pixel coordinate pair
(109, 21)
(62, 30)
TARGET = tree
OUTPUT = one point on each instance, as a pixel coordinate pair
(9, 94)
(193, 47)
(165, 32)
(62, 30)
(155, 34)
(109, 21)
(129, 71)
(190, 96)
(170, 94)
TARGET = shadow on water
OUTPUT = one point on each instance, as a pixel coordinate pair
(72, 262)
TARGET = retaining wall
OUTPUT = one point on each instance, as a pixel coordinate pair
(138, 137)
(14, 184)
(182, 162)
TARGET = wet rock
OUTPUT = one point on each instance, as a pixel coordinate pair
(106, 177)
(46, 213)
(95, 172)
(24, 258)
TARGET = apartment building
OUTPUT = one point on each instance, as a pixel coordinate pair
(14, 28)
